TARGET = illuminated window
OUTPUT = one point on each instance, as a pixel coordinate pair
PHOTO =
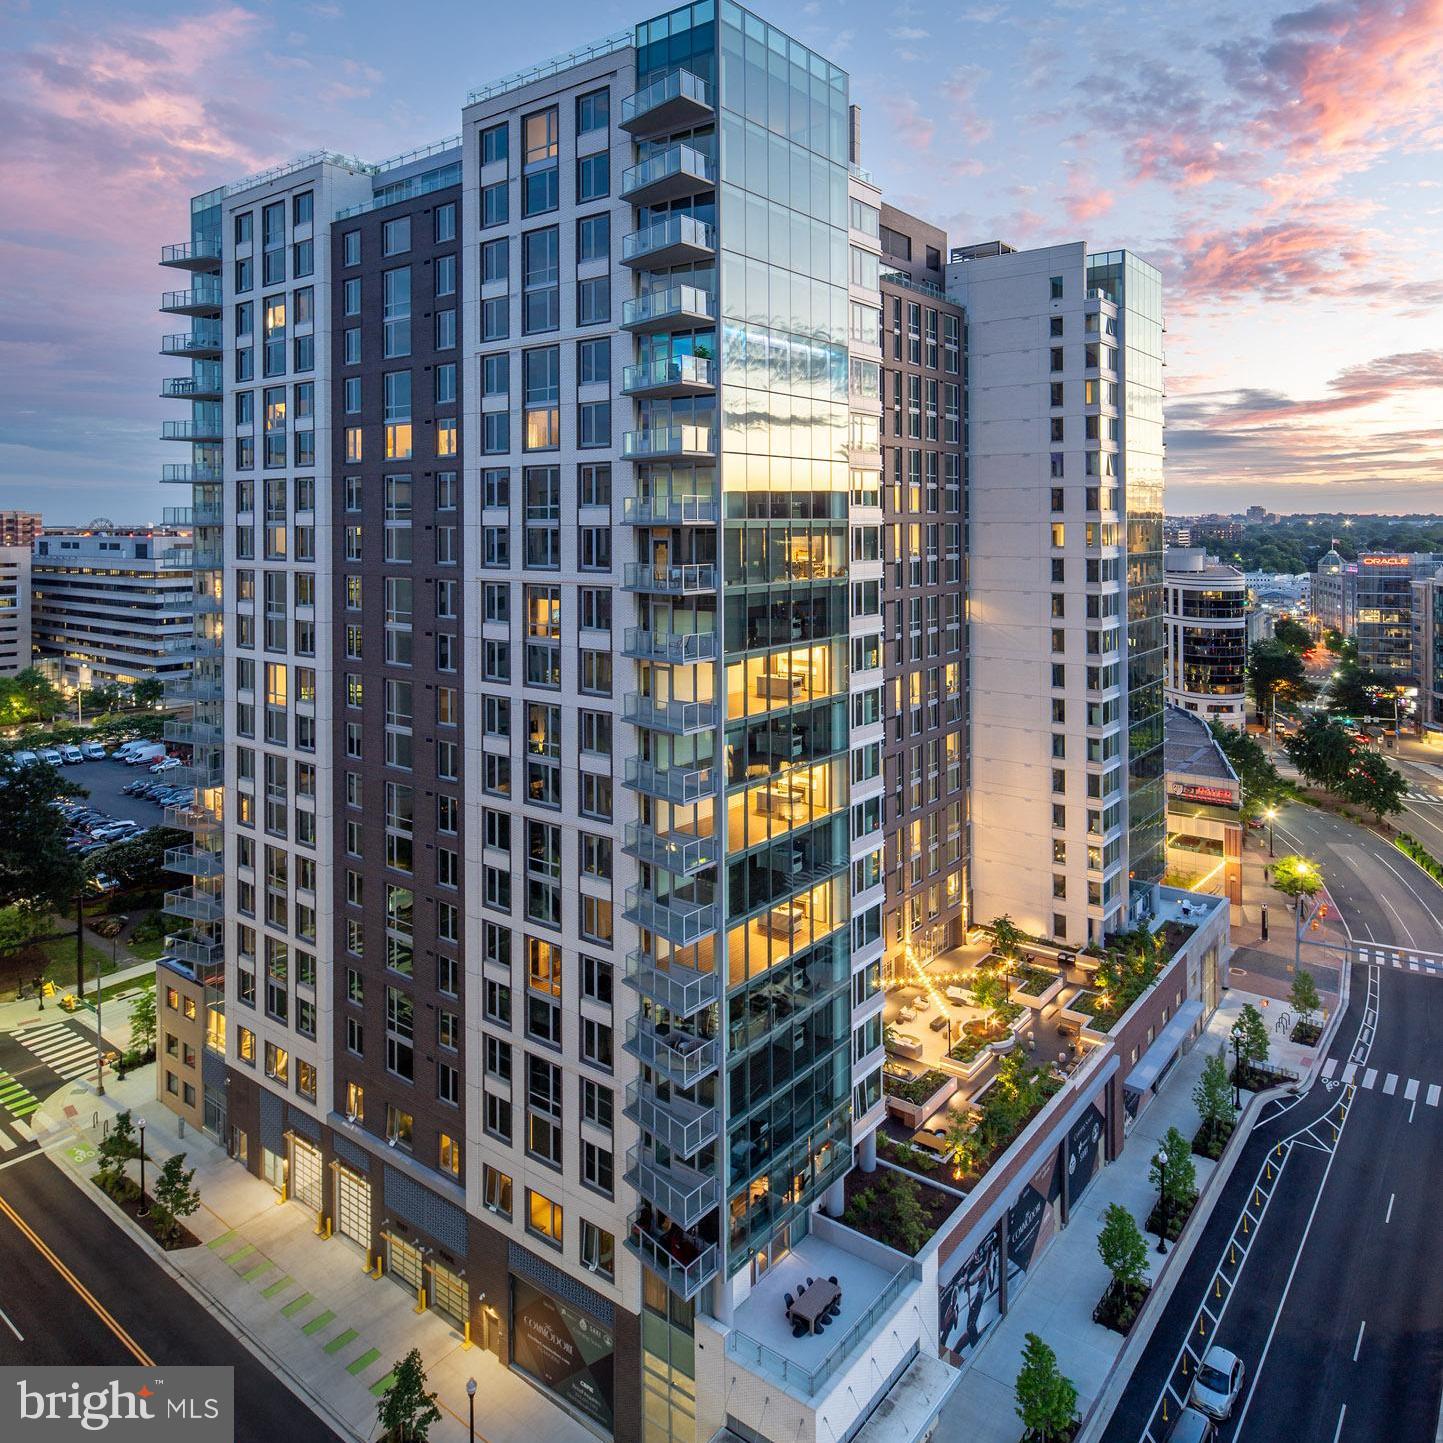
(450, 1155)
(353, 443)
(543, 1217)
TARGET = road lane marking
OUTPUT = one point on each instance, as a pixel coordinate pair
(11, 1326)
(1389, 1217)
(1330, 1066)
(1341, 1415)
(1390, 1084)
(1433, 1094)
(1350, 1071)
(1411, 1091)
(1359, 1343)
(7, 1143)
(1370, 1077)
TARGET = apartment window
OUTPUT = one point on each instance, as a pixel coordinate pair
(593, 301)
(396, 388)
(445, 274)
(593, 483)
(302, 206)
(243, 226)
(494, 146)
(593, 362)
(541, 391)
(445, 223)
(539, 135)
(495, 318)
(446, 384)
(496, 1190)
(495, 203)
(593, 238)
(593, 177)
(597, 1167)
(543, 1217)
(598, 1249)
(593, 111)
(446, 329)
(540, 279)
(396, 312)
(396, 236)
(351, 248)
(593, 424)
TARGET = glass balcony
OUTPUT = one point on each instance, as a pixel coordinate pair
(194, 861)
(676, 918)
(207, 770)
(686, 580)
(207, 513)
(679, 718)
(673, 784)
(677, 308)
(203, 341)
(677, 171)
(679, 853)
(205, 559)
(683, 1126)
(675, 101)
(201, 300)
(198, 821)
(195, 255)
(670, 510)
(677, 241)
(196, 903)
(678, 376)
(678, 648)
(196, 950)
(681, 1192)
(684, 1265)
(191, 388)
(683, 991)
(665, 443)
(191, 431)
(193, 733)
(186, 474)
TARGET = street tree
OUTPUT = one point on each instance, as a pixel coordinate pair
(1250, 1033)
(1304, 995)
(1276, 673)
(1296, 876)
(1374, 785)
(1122, 1247)
(1179, 1186)
(142, 1021)
(114, 1150)
(407, 1410)
(1006, 936)
(19, 926)
(175, 1196)
(148, 691)
(35, 868)
(1323, 750)
(1046, 1401)
(1292, 634)
(1262, 787)
(1355, 691)
(1213, 1097)
(28, 696)
(138, 861)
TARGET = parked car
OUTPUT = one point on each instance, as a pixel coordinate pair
(166, 764)
(133, 789)
(1192, 1427)
(71, 754)
(1217, 1383)
(50, 757)
(104, 882)
(94, 751)
(24, 758)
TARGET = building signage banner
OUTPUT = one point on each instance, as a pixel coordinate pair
(1197, 792)
(567, 1352)
(970, 1303)
(1030, 1220)
(1082, 1148)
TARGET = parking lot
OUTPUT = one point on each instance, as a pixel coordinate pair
(103, 780)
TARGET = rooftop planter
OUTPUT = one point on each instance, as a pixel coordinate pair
(993, 1034)
(913, 1098)
(1034, 986)
(896, 1208)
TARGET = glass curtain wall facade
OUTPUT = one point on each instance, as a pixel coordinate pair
(1136, 288)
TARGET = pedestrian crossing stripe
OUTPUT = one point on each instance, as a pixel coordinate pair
(1428, 962)
(64, 1051)
(1414, 795)
(1369, 1079)
(15, 1098)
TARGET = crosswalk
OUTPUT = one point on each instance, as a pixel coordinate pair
(66, 1052)
(1413, 794)
(1369, 1078)
(1399, 959)
(15, 1097)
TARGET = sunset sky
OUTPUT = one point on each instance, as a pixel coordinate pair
(1282, 166)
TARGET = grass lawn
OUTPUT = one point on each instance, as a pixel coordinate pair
(60, 963)
(147, 951)
(121, 989)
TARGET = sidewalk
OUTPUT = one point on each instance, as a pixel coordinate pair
(1060, 1291)
(307, 1306)
(116, 1010)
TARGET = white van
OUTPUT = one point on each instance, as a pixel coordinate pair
(71, 755)
(145, 752)
(24, 759)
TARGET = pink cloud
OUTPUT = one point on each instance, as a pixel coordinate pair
(912, 126)
(1088, 206)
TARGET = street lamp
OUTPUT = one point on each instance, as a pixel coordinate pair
(1161, 1161)
(1237, 1040)
(144, 1211)
(471, 1407)
(1272, 815)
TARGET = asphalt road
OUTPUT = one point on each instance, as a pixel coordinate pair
(116, 1306)
(1315, 1264)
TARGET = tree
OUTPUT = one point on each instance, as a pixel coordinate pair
(1275, 673)
(175, 1196)
(1296, 876)
(1007, 936)
(1371, 783)
(1262, 787)
(1292, 634)
(139, 861)
(1122, 1247)
(114, 1150)
(406, 1410)
(1355, 690)
(1046, 1401)
(1304, 995)
(1250, 1032)
(19, 926)
(142, 1021)
(35, 868)
(1180, 1184)
(964, 1147)
(991, 992)
(28, 696)
(1323, 750)
(148, 691)
(1213, 1097)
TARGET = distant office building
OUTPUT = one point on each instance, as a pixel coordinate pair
(1204, 809)
(19, 528)
(1334, 594)
(1384, 590)
(1177, 534)
(14, 609)
(1218, 531)
(1207, 643)
(1427, 626)
(113, 607)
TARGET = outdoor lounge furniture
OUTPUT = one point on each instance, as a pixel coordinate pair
(958, 996)
(813, 1307)
(906, 1013)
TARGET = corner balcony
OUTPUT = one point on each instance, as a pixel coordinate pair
(207, 513)
(200, 300)
(685, 1127)
(670, 174)
(677, 308)
(191, 431)
(678, 648)
(670, 510)
(198, 821)
(683, 1057)
(680, 853)
(686, 1266)
(693, 579)
(197, 951)
(676, 918)
(191, 388)
(194, 861)
(187, 474)
(204, 342)
(682, 1193)
(678, 100)
(677, 241)
(199, 255)
(680, 784)
(668, 443)
(678, 718)
(207, 770)
(683, 991)
(194, 902)
(678, 376)
(194, 733)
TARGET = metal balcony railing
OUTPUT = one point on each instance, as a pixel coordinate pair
(670, 510)
(683, 1126)
(673, 309)
(680, 718)
(684, 1275)
(201, 255)
(682, 784)
(683, 1056)
(681, 580)
(681, 1192)
(667, 442)
(679, 170)
(674, 376)
(683, 991)
(677, 240)
(679, 853)
(679, 648)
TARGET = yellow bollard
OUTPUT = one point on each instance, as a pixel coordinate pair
(466, 1334)
(380, 1263)
(1164, 1407)
(281, 1194)
(1202, 1331)
(420, 1297)
(1184, 1363)
(1257, 1200)
(366, 1266)
(1269, 1167)
(1217, 1287)
(1232, 1255)
(1335, 1132)
(1245, 1222)
(1280, 1150)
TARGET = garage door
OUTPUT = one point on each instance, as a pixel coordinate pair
(353, 1206)
(406, 1266)
(306, 1174)
(450, 1295)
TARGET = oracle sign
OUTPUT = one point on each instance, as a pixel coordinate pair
(1386, 560)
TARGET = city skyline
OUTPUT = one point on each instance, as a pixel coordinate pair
(1313, 153)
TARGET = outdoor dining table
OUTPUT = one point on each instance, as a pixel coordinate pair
(812, 1302)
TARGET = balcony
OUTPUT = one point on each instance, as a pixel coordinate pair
(194, 861)
(687, 580)
(191, 388)
(196, 951)
(671, 510)
(668, 443)
(202, 341)
(204, 558)
(677, 241)
(678, 919)
(198, 821)
(683, 991)
(678, 376)
(684, 1265)
(679, 718)
(193, 902)
(200, 300)
(205, 771)
(187, 474)
(677, 308)
(191, 431)
(680, 784)
(682, 1193)
(678, 648)
(670, 174)
(194, 733)
(679, 853)
(207, 513)
(683, 1126)
(197, 255)
(675, 101)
